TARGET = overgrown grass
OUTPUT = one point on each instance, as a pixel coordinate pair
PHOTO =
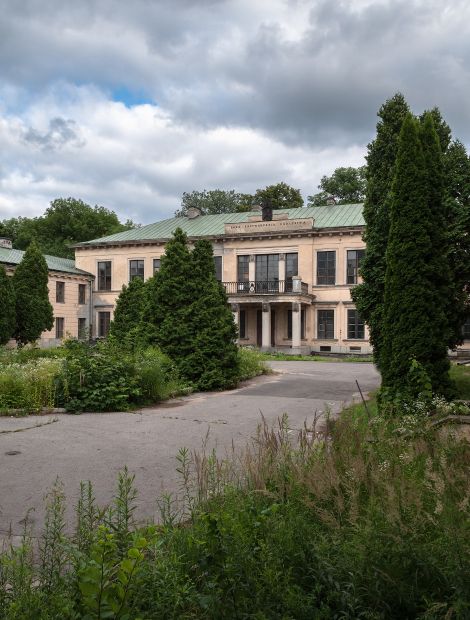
(31, 386)
(251, 363)
(286, 357)
(461, 376)
(372, 523)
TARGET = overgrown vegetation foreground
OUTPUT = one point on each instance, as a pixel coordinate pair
(372, 523)
(101, 377)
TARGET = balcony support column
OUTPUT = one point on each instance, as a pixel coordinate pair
(282, 267)
(296, 315)
(266, 327)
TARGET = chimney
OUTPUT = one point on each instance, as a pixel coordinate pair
(331, 200)
(193, 212)
(5, 243)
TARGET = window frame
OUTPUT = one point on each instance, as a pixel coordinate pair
(326, 335)
(60, 297)
(81, 333)
(358, 323)
(218, 267)
(100, 331)
(137, 275)
(466, 329)
(81, 298)
(155, 269)
(355, 274)
(59, 321)
(242, 324)
(329, 280)
(106, 277)
(243, 275)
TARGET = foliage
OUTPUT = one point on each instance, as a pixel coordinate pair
(460, 375)
(126, 324)
(66, 221)
(212, 202)
(251, 363)
(157, 376)
(29, 386)
(212, 362)
(369, 295)
(34, 312)
(7, 307)
(279, 196)
(345, 185)
(373, 525)
(415, 324)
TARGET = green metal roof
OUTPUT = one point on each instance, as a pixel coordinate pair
(54, 263)
(331, 216)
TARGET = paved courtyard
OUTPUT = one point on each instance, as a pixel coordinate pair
(96, 446)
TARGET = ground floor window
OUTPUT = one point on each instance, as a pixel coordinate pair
(104, 319)
(242, 324)
(355, 326)
(302, 323)
(466, 329)
(289, 324)
(59, 327)
(81, 329)
(325, 324)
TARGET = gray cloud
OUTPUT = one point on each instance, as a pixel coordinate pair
(61, 132)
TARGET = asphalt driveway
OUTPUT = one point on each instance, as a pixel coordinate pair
(96, 446)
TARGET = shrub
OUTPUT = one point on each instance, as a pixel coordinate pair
(251, 363)
(157, 375)
(30, 386)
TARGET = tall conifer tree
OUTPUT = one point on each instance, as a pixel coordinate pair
(126, 323)
(369, 295)
(7, 307)
(34, 312)
(213, 362)
(414, 314)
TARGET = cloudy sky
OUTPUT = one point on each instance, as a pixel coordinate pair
(128, 103)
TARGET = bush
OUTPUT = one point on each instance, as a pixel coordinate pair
(157, 376)
(251, 363)
(30, 386)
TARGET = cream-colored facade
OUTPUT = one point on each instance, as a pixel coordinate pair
(282, 310)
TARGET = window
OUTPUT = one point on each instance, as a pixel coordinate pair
(60, 292)
(242, 325)
(326, 324)
(355, 326)
(59, 327)
(104, 319)
(81, 329)
(466, 330)
(156, 265)
(289, 324)
(326, 267)
(267, 273)
(81, 294)
(302, 323)
(243, 268)
(136, 269)
(292, 269)
(218, 268)
(104, 275)
(354, 262)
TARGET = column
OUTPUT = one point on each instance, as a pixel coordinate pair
(235, 313)
(282, 271)
(266, 326)
(252, 268)
(295, 325)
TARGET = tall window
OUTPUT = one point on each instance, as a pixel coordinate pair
(292, 268)
(156, 265)
(243, 268)
(466, 330)
(355, 326)
(104, 319)
(136, 269)
(60, 292)
(326, 324)
(218, 267)
(354, 262)
(81, 294)
(289, 324)
(242, 324)
(81, 328)
(326, 267)
(104, 275)
(267, 273)
(59, 327)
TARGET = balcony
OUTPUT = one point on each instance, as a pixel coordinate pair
(267, 287)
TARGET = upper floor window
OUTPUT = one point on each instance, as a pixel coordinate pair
(60, 292)
(218, 267)
(354, 262)
(156, 265)
(355, 325)
(104, 275)
(136, 269)
(59, 327)
(326, 267)
(243, 268)
(81, 294)
(292, 268)
(326, 324)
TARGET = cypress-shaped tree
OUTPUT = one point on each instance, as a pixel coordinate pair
(34, 312)
(7, 307)
(168, 306)
(127, 320)
(413, 321)
(213, 361)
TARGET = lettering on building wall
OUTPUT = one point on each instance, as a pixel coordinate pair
(270, 226)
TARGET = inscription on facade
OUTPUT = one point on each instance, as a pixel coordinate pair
(271, 226)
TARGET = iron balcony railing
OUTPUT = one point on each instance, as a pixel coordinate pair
(261, 287)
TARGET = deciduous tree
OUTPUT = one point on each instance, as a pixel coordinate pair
(345, 185)
(280, 196)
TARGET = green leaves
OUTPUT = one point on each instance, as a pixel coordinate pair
(7, 307)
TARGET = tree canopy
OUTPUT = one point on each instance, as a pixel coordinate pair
(345, 185)
(280, 196)
(65, 222)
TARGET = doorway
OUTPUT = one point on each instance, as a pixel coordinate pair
(273, 328)
(259, 328)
